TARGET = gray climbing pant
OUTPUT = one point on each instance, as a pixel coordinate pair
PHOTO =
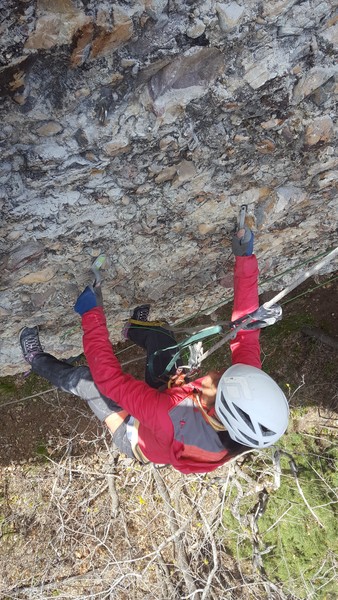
(79, 381)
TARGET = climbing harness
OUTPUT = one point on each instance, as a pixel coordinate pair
(163, 324)
(189, 343)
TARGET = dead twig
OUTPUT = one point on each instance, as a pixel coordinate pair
(181, 555)
(294, 472)
(318, 334)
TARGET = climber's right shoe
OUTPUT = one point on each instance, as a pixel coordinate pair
(141, 313)
(30, 343)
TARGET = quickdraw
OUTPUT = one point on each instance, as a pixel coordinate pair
(186, 344)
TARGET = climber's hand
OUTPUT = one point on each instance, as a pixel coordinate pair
(90, 297)
(242, 242)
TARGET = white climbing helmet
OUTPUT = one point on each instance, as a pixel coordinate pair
(252, 406)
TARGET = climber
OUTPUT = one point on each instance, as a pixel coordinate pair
(196, 426)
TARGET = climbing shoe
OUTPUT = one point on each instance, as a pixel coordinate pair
(30, 343)
(141, 313)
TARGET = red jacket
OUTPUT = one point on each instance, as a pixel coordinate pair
(172, 429)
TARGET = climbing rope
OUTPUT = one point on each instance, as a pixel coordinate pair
(303, 277)
(310, 290)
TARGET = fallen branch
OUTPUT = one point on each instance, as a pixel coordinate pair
(182, 560)
(206, 591)
(294, 472)
(115, 502)
(318, 334)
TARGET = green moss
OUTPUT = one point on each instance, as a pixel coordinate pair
(7, 386)
(330, 368)
(301, 545)
(41, 450)
(288, 325)
(21, 386)
(300, 551)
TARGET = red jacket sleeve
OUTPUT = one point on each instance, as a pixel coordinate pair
(134, 396)
(245, 347)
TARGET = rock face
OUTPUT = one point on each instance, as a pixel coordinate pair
(138, 129)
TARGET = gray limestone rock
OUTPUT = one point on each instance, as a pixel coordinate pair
(139, 131)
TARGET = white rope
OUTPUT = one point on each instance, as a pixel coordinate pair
(305, 275)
